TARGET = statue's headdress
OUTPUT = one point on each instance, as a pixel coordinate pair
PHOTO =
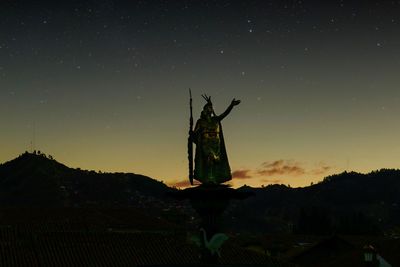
(208, 99)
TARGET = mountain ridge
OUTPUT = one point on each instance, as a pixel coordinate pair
(348, 202)
(37, 179)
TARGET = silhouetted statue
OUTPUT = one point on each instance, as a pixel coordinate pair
(211, 160)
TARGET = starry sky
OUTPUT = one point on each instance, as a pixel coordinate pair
(103, 85)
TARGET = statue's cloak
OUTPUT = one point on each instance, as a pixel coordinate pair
(221, 171)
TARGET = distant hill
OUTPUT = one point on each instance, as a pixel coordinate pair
(34, 179)
(349, 202)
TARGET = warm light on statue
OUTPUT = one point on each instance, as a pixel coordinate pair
(211, 159)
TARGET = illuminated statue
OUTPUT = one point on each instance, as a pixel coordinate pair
(211, 160)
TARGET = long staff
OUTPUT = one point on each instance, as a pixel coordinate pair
(190, 141)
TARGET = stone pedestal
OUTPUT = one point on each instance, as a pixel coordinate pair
(210, 201)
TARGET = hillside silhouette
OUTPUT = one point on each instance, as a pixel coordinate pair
(33, 179)
(348, 203)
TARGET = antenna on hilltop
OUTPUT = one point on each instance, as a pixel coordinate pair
(33, 140)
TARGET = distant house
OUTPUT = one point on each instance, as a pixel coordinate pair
(348, 251)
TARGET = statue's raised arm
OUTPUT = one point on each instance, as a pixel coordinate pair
(228, 110)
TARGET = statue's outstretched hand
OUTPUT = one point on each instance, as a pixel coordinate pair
(235, 102)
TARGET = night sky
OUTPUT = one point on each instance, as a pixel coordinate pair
(103, 85)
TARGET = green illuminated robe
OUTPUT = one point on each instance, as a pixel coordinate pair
(211, 159)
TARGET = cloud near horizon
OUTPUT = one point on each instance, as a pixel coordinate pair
(281, 167)
(322, 168)
(182, 183)
(241, 174)
(268, 171)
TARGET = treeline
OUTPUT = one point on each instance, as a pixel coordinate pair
(348, 203)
